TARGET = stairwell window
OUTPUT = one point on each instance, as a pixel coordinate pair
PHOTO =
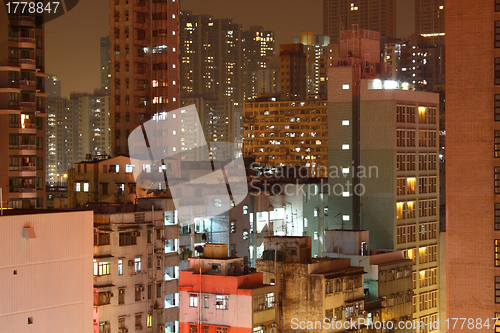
(497, 67)
(497, 252)
(497, 289)
(497, 34)
(497, 180)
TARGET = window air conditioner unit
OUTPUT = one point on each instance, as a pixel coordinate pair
(142, 288)
(131, 263)
(161, 328)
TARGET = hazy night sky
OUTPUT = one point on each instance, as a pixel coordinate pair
(72, 41)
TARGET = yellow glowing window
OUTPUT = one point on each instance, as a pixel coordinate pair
(399, 211)
(150, 320)
(410, 185)
(411, 209)
(422, 114)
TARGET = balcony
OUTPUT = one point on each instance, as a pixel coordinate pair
(28, 83)
(27, 104)
(27, 21)
(27, 64)
(27, 189)
(26, 42)
(27, 168)
(27, 147)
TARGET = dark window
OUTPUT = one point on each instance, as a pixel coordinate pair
(497, 5)
(497, 180)
(104, 188)
(497, 107)
(128, 238)
(121, 296)
(497, 252)
(497, 70)
(497, 144)
(497, 216)
(102, 238)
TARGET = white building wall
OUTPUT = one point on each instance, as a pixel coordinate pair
(236, 315)
(47, 278)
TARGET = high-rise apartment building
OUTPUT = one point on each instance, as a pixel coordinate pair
(279, 133)
(145, 69)
(22, 110)
(375, 15)
(258, 47)
(293, 63)
(385, 140)
(316, 49)
(218, 58)
(217, 124)
(429, 20)
(472, 164)
(105, 63)
(53, 86)
(92, 125)
(61, 137)
(77, 128)
(392, 189)
(421, 63)
(210, 57)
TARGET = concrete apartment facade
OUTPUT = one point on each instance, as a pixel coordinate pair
(472, 165)
(388, 287)
(136, 270)
(285, 133)
(311, 290)
(399, 199)
(22, 110)
(145, 68)
(46, 271)
(375, 15)
(218, 294)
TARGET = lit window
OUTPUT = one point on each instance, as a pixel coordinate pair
(85, 187)
(305, 222)
(193, 301)
(345, 122)
(345, 86)
(120, 267)
(101, 268)
(137, 265)
(129, 168)
(345, 147)
(345, 194)
(221, 302)
(345, 170)
(77, 187)
(245, 210)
